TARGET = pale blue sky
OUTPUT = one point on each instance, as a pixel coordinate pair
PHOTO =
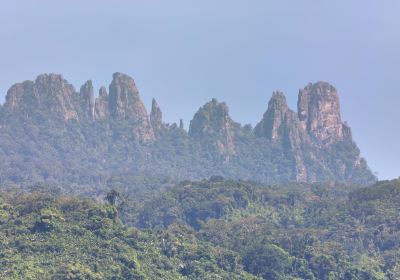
(185, 52)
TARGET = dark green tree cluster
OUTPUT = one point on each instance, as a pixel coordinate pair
(297, 231)
(60, 237)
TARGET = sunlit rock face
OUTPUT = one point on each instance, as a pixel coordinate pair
(212, 124)
(86, 100)
(101, 105)
(319, 113)
(49, 93)
(156, 117)
(317, 128)
(125, 103)
(280, 124)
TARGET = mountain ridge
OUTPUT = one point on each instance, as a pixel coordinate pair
(296, 146)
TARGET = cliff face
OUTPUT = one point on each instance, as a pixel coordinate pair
(316, 128)
(156, 116)
(213, 125)
(319, 112)
(101, 105)
(49, 93)
(280, 124)
(86, 100)
(58, 126)
(318, 117)
(124, 103)
(52, 95)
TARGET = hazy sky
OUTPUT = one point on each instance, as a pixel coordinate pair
(185, 52)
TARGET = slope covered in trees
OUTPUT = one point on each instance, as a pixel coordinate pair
(47, 237)
(317, 231)
(49, 132)
(214, 229)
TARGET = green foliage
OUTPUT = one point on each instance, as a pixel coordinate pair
(267, 260)
(35, 147)
(47, 237)
(213, 229)
(298, 231)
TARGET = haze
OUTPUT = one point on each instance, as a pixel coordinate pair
(183, 53)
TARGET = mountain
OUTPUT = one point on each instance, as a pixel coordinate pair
(49, 132)
(213, 126)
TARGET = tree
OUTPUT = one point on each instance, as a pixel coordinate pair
(112, 197)
(268, 261)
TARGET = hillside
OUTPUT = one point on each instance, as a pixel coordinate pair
(317, 231)
(52, 133)
(47, 237)
(210, 229)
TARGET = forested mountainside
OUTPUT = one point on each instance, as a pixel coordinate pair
(209, 229)
(51, 133)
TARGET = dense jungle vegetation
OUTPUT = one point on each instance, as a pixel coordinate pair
(210, 229)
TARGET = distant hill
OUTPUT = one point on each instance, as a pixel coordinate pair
(50, 132)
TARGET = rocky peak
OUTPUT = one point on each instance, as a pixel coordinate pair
(49, 93)
(156, 116)
(319, 113)
(20, 95)
(213, 123)
(101, 104)
(124, 98)
(181, 125)
(273, 123)
(86, 100)
(279, 123)
(125, 103)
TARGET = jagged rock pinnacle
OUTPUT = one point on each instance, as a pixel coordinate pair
(156, 116)
(125, 103)
(319, 112)
(279, 123)
(271, 126)
(213, 123)
(49, 93)
(101, 104)
(86, 100)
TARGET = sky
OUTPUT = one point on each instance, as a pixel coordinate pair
(185, 52)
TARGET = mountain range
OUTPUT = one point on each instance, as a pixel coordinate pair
(50, 132)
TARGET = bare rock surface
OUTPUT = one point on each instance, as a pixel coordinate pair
(213, 123)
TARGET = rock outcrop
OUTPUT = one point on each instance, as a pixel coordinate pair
(280, 124)
(86, 100)
(319, 113)
(156, 116)
(312, 144)
(101, 105)
(49, 93)
(52, 95)
(22, 97)
(213, 125)
(273, 124)
(124, 103)
(316, 128)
